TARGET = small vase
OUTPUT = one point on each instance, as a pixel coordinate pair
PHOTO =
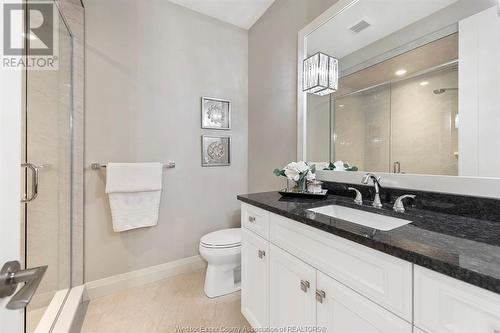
(302, 185)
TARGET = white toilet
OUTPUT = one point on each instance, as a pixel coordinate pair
(222, 251)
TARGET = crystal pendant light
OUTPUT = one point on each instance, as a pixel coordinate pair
(321, 74)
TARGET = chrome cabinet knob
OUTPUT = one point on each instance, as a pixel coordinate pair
(304, 285)
(251, 219)
(320, 296)
(262, 254)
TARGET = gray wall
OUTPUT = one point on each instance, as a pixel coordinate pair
(272, 90)
(148, 63)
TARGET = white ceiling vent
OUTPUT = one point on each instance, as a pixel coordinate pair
(360, 26)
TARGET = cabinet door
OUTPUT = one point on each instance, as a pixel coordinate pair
(292, 288)
(342, 310)
(447, 305)
(255, 279)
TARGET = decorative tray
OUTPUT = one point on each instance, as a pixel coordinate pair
(295, 194)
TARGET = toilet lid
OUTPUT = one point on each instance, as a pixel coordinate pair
(222, 238)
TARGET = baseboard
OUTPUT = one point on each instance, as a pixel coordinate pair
(71, 314)
(51, 313)
(116, 283)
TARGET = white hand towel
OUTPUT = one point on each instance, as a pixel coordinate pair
(133, 177)
(134, 191)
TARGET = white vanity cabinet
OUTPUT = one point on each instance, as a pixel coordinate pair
(302, 298)
(447, 305)
(255, 279)
(382, 278)
(282, 289)
(310, 278)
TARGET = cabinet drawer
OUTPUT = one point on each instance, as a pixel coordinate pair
(255, 219)
(447, 305)
(384, 279)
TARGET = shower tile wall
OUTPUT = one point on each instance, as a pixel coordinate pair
(424, 134)
(377, 131)
(349, 139)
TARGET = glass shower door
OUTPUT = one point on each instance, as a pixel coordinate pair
(47, 147)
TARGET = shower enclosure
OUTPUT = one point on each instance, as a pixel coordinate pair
(47, 179)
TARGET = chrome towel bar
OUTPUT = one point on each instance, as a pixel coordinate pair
(98, 166)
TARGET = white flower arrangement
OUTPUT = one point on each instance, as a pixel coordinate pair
(299, 172)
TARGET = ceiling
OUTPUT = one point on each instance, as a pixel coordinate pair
(418, 60)
(242, 13)
(336, 39)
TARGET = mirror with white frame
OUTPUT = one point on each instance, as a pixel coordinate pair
(418, 87)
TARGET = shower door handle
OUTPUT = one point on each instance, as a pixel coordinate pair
(34, 182)
(11, 275)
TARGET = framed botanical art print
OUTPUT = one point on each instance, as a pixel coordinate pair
(215, 113)
(215, 150)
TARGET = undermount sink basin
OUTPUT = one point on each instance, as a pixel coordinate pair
(367, 219)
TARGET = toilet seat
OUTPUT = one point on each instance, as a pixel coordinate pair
(222, 239)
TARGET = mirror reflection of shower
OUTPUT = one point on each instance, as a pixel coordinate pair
(443, 90)
(395, 126)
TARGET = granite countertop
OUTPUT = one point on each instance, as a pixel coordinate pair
(464, 248)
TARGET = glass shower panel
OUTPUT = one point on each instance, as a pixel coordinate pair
(425, 123)
(48, 146)
(362, 129)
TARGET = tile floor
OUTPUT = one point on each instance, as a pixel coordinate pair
(177, 304)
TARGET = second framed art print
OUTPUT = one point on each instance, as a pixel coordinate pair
(215, 150)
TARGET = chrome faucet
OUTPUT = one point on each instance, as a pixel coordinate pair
(376, 183)
(359, 198)
(398, 204)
